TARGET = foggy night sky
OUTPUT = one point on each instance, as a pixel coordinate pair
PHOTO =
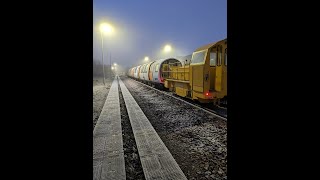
(143, 27)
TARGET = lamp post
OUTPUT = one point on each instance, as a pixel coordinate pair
(102, 58)
(104, 28)
(115, 68)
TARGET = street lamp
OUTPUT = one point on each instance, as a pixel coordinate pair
(114, 70)
(167, 48)
(146, 58)
(106, 29)
(114, 64)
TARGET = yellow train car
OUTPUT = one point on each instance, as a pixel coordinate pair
(204, 78)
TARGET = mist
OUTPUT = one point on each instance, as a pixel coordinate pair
(143, 28)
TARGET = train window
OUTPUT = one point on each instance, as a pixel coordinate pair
(157, 68)
(225, 57)
(213, 58)
(198, 57)
(219, 56)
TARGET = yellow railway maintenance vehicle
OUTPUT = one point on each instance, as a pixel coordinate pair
(204, 78)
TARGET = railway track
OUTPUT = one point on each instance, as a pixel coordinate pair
(196, 139)
(210, 111)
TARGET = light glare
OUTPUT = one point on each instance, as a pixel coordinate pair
(167, 48)
(106, 28)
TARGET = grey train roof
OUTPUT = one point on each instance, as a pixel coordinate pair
(183, 59)
(160, 61)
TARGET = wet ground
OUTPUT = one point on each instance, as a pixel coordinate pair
(100, 93)
(196, 139)
(133, 165)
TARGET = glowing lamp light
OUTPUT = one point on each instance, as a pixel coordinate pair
(106, 28)
(167, 48)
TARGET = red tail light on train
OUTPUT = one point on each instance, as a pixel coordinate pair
(208, 94)
(160, 77)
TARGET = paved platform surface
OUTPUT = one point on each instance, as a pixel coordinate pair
(108, 154)
(157, 162)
